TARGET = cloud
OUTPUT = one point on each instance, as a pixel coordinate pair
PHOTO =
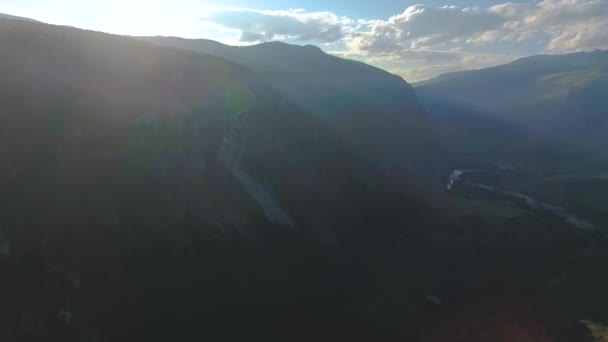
(552, 13)
(479, 61)
(581, 38)
(510, 10)
(567, 25)
(421, 65)
(573, 25)
(421, 27)
(295, 24)
(425, 40)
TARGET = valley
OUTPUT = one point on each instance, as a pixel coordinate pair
(456, 182)
(167, 189)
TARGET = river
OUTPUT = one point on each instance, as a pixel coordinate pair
(529, 202)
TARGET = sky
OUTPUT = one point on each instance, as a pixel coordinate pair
(414, 39)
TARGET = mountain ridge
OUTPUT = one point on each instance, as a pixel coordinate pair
(594, 57)
(14, 17)
(377, 113)
(143, 178)
(559, 95)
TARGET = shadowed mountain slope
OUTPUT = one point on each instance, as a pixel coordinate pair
(136, 178)
(374, 112)
(561, 95)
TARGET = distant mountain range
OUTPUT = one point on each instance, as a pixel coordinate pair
(561, 95)
(546, 116)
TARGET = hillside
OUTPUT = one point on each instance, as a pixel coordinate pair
(559, 95)
(139, 177)
(372, 111)
(543, 115)
(12, 17)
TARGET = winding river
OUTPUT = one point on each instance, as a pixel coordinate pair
(519, 198)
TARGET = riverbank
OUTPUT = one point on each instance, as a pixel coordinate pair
(523, 200)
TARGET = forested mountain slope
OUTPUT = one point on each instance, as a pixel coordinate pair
(137, 178)
(371, 110)
(560, 95)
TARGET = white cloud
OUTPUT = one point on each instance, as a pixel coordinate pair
(573, 25)
(424, 72)
(424, 40)
(422, 27)
(421, 65)
(552, 13)
(581, 37)
(294, 24)
(510, 10)
(568, 25)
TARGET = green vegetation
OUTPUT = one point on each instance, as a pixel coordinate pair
(598, 331)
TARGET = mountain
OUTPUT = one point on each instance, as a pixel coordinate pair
(149, 191)
(559, 95)
(543, 115)
(121, 102)
(374, 112)
(12, 17)
(156, 194)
